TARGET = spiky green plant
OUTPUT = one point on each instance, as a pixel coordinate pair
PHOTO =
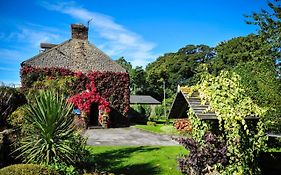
(51, 137)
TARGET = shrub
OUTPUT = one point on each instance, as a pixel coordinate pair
(62, 168)
(159, 110)
(183, 125)
(51, 137)
(17, 117)
(151, 123)
(10, 100)
(7, 138)
(203, 156)
(97, 173)
(142, 109)
(26, 169)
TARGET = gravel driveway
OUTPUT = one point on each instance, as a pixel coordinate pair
(126, 137)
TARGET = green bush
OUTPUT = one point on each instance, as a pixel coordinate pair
(63, 169)
(27, 169)
(151, 123)
(142, 109)
(96, 173)
(10, 100)
(153, 118)
(52, 137)
(17, 117)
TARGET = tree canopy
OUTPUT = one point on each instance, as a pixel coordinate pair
(179, 68)
(255, 58)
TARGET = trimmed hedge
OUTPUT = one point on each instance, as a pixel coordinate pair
(27, 169)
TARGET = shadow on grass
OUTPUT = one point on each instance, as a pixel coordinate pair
(116, 161)
(142, 168)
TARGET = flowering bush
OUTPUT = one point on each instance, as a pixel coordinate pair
(84, 99)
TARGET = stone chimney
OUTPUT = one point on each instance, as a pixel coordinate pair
(79, 31)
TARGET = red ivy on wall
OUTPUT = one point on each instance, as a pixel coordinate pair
(106, 88)
(84, 99)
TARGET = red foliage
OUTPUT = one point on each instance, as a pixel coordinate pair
(31, 74)
(114, 87)
(105, 88)
(84, 99)
(183, 125)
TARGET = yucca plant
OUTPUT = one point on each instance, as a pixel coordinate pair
(51, 137)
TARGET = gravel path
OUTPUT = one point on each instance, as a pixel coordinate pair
(126, 137)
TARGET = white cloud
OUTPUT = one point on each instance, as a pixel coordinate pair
(119, 41)
(9, 55)
(34, 36)
(24, 42)
(8, 69)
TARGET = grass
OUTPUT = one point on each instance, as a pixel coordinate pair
(132, 160)
(160, 129)
(150, 128)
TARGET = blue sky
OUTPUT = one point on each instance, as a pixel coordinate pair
(139, 30)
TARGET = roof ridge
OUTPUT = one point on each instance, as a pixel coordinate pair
(45, 52)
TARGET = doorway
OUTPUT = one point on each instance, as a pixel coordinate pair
(93, 115)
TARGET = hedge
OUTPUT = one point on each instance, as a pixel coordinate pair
(27, 169)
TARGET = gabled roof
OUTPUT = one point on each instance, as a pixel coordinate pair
(183, 101)
(75, 55)
(143, 99)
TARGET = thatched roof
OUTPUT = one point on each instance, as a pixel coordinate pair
(143, 99)
(76, 55)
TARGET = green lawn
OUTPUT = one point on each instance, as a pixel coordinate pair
(132, 160)
(160, 129)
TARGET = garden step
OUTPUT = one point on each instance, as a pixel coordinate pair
(200, 106)
(95, 127)
(198, 103)
(193, 98)
(207, 116)
(202, 111)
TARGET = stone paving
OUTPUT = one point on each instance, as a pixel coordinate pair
(126, 137)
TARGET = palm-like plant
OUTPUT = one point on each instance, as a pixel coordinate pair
(51, 137)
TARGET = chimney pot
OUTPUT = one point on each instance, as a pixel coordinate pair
(79, 31)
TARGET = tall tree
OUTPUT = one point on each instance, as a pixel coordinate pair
(124, 63)
(240, 50)
(138, 80)
(179, 68)
(137, 76)
(269, 23)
